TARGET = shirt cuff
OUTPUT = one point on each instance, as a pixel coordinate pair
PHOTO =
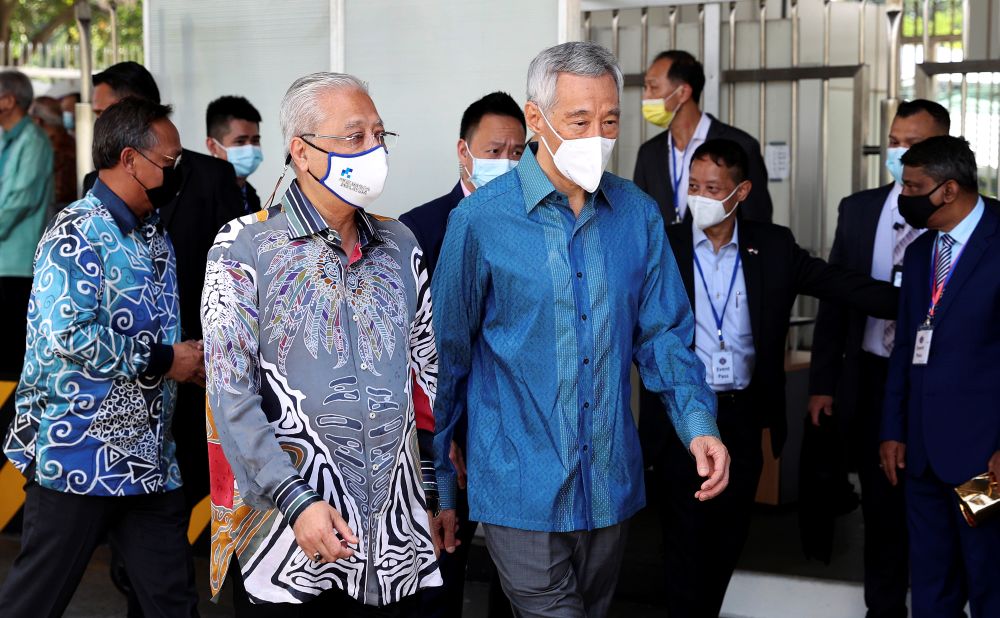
(696, 424)
(161, 357)
(293, 496)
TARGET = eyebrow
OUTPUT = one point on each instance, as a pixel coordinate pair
(578, 113)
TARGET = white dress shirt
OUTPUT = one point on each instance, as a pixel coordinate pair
(885, 239)
(683, 160)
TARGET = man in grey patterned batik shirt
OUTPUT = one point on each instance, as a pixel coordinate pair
(321, 372)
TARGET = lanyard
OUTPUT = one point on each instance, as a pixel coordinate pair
(732, 283)
(676, 173)
(938, 292)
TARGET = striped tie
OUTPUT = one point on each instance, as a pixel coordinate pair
(943, 261)
(904, 236)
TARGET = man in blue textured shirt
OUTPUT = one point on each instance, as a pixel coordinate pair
(552, 280)
(94, 406)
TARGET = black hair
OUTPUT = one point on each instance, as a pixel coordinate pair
(944, 157)
(686, 69)
(499, 103)
(725, 153)
(224, 109)
(129, 79)
(937, 111)
(126, 124)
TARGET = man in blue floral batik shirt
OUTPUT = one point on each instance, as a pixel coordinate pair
(91, 432)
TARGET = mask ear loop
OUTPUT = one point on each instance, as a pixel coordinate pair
(284, 170)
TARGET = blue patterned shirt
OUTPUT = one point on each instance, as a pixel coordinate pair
(93, 407)
(539, 315)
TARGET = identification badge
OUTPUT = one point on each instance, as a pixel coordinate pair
(922, 347)
(897, 276)
(722, 368)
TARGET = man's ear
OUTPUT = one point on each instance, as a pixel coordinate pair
(950, 191)
(212, 147)
(297, 154)
(743, 191)
(533, 117)
(127, 159)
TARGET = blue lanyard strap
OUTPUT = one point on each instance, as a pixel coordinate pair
(732, 283)
(676, 174)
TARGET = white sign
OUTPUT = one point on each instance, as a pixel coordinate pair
(777, 158)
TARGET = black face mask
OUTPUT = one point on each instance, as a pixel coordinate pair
(162, 195)
(916, 210)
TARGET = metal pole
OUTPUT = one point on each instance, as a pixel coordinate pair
(84, 111)
(644, 51)
(894, 19)
(732, 61)
(965, 102)
(113, 13)
(614, 49)
(794, 139)
(928, 52)
(701, 33)
(824, 132)
(673, 27)
(762, 136)
(862, 32)
(586, 27)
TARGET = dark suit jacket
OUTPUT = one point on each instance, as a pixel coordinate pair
(775, 270)
(253, 200)
(840, 330)
(208, 199)
(946, 411)
(652, 173)
(428, 222)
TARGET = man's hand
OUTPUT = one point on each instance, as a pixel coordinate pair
(820, 404)
(458, 460)
(444, 527)
(994, 467)
(893, 456)
(712, 460)
(189, 362)
(314, 532)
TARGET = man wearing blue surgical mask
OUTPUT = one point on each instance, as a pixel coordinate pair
(490, 143)
(234, 136)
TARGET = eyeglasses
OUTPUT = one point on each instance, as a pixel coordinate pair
(357, 141)
(174, 161)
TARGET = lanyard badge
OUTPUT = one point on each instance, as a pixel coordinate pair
(722, 360)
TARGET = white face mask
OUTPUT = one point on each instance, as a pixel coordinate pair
(582, 160)
(707, 212)
(355, 179)
(485, 170)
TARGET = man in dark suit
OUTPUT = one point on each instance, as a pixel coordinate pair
(742, 278)
(233, 127)
(941, 421)
(850, 356)
(490, 142)
(670, 100)
(208, 199)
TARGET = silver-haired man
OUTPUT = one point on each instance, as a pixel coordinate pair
(321, 372)
(552, 280)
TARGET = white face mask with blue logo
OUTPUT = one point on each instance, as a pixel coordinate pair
(357, 179)
(485, 170)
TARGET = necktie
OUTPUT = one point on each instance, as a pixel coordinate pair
(943, 266)
(904, 236)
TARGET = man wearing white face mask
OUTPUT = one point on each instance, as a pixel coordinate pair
(672, 87)
(321, 372)
(234, 135)
(552, 281)
(742, 278)
(490, 143)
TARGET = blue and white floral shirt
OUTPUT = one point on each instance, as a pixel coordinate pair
(93, 407)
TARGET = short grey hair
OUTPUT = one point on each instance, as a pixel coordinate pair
(300, 109)
(576, 58)
(17, 84)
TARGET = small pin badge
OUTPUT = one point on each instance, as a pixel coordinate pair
(752, 251)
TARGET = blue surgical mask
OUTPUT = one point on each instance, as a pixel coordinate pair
(244, 158)
(485, 170)
(894, 164)
(69, 120)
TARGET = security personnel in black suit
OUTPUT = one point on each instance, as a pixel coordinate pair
(232, 125)
(490, 142)
(850, 358)
(670, 100)
(208, 199)
(751, 273)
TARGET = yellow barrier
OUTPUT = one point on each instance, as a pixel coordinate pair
(12, 487)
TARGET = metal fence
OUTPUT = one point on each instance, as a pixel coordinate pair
(61, 60)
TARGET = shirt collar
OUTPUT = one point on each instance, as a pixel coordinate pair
(536, 186)
(893, 197)
(304, 220)
(963, 231)
(120, 212)
(16, 130)
(699, 236)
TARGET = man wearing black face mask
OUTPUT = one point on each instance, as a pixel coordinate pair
(940, 421)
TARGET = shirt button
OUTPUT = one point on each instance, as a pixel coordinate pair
(372, 415)
(364, 366)
(579, 275)
(586, 405)
(375, 468)
(584, 448)
(355, 318)
(584, 317)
